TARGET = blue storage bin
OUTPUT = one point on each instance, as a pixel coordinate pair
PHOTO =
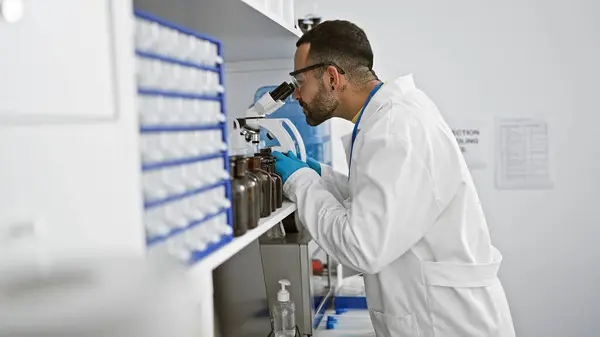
(345, 303)
(316, 138)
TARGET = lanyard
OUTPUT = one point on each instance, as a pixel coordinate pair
(355, 130)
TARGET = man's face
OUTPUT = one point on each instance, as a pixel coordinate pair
(318, 102)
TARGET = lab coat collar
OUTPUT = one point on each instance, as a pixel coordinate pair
(397, 87)
(347, 143)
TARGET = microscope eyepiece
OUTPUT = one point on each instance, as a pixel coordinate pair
(283, 91)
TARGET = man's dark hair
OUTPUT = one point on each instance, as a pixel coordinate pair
(344, 44)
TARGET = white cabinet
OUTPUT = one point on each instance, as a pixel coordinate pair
(69, 166)
(57, 62)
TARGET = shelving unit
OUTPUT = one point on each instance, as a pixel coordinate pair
(247, 30)
(165, 52)
(242, 31)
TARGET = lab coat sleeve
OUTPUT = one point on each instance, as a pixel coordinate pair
(393, 205)
(336, 183)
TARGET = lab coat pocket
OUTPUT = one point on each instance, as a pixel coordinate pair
(467, 300)
(387, 325)
(468, 312)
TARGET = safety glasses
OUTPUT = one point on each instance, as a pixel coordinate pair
(295, 74)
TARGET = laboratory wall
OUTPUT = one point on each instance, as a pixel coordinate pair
(482, 62)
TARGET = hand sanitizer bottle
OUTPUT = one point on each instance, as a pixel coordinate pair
(284, 313)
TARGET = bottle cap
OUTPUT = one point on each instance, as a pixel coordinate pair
(241, 165)
(253, 163)
(283, 295)
(264, 161)
(231, 167)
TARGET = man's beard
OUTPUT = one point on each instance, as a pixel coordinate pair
(320, 109)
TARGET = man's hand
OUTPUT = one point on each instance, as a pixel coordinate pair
(286, 165)
(313, 164)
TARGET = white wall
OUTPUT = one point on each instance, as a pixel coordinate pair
(482, 60)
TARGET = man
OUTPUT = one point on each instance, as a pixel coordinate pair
(407, 215)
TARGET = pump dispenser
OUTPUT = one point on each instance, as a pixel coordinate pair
(284, 312)
(283, 295)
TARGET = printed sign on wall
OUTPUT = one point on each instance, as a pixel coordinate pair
(472, 139)
(523, 160)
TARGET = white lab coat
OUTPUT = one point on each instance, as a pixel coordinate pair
(410, 219)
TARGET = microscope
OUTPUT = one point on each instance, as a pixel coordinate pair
(255, 118)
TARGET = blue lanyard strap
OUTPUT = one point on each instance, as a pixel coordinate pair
(355, 130)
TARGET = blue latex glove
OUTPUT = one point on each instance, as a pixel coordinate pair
(313, 164)
(286, 166)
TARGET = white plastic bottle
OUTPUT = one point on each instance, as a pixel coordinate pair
(284, 313)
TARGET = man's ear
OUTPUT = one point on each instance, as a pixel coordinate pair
(334, 77)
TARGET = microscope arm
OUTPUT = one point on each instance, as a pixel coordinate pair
(275, 127)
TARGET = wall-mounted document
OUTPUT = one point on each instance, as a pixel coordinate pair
(522, 156)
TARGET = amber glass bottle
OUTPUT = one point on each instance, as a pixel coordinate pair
(265, 185)
(268, 164)
(239, 203)
(252, 191)
(273, 182)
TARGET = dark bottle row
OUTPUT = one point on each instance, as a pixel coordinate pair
(256, 190)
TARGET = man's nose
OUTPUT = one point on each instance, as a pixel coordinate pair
(296, 95)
